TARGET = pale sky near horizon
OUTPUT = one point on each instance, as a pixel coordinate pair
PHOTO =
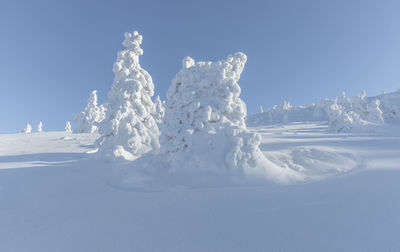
(53, 53)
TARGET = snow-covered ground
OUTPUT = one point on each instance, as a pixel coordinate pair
(55, 195)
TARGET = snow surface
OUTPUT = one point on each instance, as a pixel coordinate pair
(55, 195)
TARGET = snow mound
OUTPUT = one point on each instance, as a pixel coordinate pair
(129, 129)
(87, 121)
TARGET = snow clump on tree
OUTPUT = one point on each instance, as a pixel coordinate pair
(87, 121)
(129, 129)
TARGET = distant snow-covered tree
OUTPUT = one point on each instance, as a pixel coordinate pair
(345, 102)
(68, 127)
(40, 127)
(87, 121)
(374, 113)
(159, 110)
(27, 129)
(285, 105)
(205, 118)
(129, 129)
(359, 104)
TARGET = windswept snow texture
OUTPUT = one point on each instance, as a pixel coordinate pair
(55, 196)
(129, 129)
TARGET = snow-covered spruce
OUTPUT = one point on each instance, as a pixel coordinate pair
(129, 129)
(87, 121)
(68, 127)
(27, 129)
(159, 112)
(40, 127)
(204, 123)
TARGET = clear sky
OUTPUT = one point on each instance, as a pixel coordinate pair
(53, 53)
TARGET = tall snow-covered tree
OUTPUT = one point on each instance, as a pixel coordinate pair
(27, 129)
(205, 118)
(40, 127)
(129, 129)
(68, 127)
(87, 121)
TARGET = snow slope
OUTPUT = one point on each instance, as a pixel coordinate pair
(54, 196)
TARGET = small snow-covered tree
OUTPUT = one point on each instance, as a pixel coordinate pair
(341, 120)
(68, 127)
(374, 113)
(40, 127)
(204, 124)
(359, 104)
(27, 129)
(87, 121)
(345, 102)
(129, 129)
(285, 105)
(159, 111)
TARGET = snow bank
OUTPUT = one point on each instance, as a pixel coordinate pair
(87, 121)
(204, 125)
(129, 129)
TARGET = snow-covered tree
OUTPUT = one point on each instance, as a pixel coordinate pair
(129, 129)
(341, 120)
(87, 121)
(345, 102)
(204, 123)
(159, 112)
(27, 129)
(285, 105)
(359, 104)
(40, 127)
(374, 113)
(68, 127)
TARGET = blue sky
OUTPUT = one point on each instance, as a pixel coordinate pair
(53, 53)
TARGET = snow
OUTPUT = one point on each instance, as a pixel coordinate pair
(129, 129)
(204, 128)
(358, 114)
(68, 127)
(40, 127)
(57, 196)
(27, 129)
